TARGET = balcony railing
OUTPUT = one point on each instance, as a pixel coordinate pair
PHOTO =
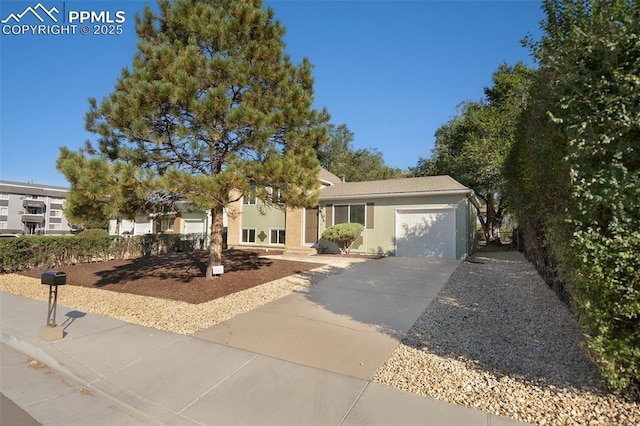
(32, 218)
(30, 202)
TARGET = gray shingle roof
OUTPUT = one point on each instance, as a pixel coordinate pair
(428, 185)
(327, 176)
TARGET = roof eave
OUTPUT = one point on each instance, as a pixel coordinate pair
(465, 191)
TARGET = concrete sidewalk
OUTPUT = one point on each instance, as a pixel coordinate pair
(156, 377)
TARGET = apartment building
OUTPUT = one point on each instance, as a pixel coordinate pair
(33, 209)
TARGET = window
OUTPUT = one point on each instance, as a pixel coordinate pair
(3, 225)
(351, 213)
(276, 195)
(54, 226)
(341, 214)
(4, 211)
(250, 200)
(277, 236)
(55, 213)
(248, 235)
(4, 196)
(167, 224)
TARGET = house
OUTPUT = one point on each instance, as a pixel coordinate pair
(33, 209)
(253, 224)
(430, 216)
(184, 221)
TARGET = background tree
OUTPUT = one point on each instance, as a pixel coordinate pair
(102, 190)
(213, 109)
(338, 156)
(90, 200)
(473, 146)
(588, 108)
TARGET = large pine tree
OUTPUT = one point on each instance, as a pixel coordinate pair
(214, 108)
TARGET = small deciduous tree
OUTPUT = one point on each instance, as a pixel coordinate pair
(473, 146)
(343, 235)
(338, 156)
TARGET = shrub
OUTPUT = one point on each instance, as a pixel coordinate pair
(343, 234)
(576, 186)
(45, 251)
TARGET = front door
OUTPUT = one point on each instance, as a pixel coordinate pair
(310, 226)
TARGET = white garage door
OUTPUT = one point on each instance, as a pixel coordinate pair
(426, 233)
(193, 227)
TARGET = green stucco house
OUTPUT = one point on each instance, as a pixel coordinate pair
(430, 216)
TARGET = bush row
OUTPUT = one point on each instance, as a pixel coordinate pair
(27, 252)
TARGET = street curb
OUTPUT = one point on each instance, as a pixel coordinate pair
(40, 355)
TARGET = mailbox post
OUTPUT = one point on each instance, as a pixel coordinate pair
(53, 279)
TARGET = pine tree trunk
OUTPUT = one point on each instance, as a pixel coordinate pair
(215, 248)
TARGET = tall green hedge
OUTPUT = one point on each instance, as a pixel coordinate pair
(574, 174)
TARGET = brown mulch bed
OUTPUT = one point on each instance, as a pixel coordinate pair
(180, 276)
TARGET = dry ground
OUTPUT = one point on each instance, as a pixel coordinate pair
(180, 276)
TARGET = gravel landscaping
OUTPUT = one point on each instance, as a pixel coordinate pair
(498, 339)
(495, 338)
(171, 315)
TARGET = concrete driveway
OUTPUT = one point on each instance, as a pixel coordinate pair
(348, 323)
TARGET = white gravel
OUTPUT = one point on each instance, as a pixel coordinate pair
(498, 339)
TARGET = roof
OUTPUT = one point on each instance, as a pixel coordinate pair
(428, 185)
(326, 176)
(32, 189)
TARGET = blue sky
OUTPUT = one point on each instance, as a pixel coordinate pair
(392, 71)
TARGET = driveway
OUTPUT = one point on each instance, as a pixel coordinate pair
(348, 323)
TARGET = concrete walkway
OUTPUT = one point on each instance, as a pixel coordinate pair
(304, 359)
(349, 324)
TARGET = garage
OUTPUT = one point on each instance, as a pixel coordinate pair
(428, 216)
(426, 233)
(193, 227)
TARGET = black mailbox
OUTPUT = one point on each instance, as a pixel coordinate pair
(54, 278)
